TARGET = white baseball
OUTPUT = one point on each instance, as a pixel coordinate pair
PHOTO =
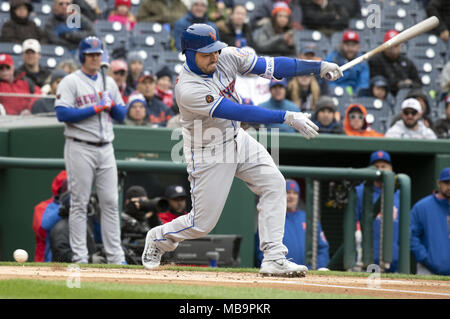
(20, 255)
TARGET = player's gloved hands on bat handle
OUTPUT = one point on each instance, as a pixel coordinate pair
(330, 71)
(301, 122)
(106, 102)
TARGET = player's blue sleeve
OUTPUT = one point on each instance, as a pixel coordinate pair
(50, 216)
(72, 115)
(118, 112)
(247, 113)
(287, 67)
(323, 256)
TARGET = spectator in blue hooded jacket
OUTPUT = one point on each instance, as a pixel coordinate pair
(197, 14)
(382, 161)
(295, 232)
(430, 229)
(356, 78)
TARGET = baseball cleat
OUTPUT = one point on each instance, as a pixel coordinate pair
(282, 268)
(151, 257)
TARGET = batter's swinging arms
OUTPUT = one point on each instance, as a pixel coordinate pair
(208, 103)
(87, 111)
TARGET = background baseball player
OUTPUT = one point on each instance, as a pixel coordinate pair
(87, 110)
(211, 112)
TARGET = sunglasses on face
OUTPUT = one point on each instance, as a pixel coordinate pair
(356, 116)
(120, 72)
(410, 112)
(4, 67)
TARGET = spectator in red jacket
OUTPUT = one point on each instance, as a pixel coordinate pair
(177, 197)
(59, 186)
(18, 84)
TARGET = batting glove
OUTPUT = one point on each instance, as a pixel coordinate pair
(330, 71)
(107, 101)
(301, 122)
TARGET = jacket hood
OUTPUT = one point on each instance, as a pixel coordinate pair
(59, 184)
(366, 129)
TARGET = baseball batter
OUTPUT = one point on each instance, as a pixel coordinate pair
(217, 149)
(87, 109)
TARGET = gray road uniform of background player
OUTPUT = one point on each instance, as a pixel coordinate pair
(209, 176)
(88, 164)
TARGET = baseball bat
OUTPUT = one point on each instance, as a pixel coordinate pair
(417, 29)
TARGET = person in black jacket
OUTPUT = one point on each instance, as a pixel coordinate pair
(399, 71)
(236, 32)
(59, 32)
(325, 16)
(442, 126)
(20, 27)
(440, 9)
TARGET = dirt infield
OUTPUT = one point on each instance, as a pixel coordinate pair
(360, 286)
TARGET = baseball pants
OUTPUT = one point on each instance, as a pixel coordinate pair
(211, 179)
(89, 165)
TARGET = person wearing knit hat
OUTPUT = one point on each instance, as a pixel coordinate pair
(137, 111)
(324, 116)
(197, 14)
(123, 14)
(295, 232)
(135, 67)
(164, 89)
(276, 36)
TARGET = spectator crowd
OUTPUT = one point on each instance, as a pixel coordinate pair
(377, 88)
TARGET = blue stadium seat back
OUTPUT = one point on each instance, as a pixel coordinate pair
(429, 46)
(399, 98)
(430, 80)
(52, 61)
(142, 28)
(335, 40)
(440, 109)
(338, 91)
(173, 59)
(40, 20)
(379, 124)
(103, 28)
(317, 37)
(13, 49)
(342, 103)
(52, 50)
(113, 41)
(375, 105)
(146, 42)
(43, 8)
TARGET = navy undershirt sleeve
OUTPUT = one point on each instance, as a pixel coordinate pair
(118, 112)
(247, 113)
(70, 114)
(287, 67)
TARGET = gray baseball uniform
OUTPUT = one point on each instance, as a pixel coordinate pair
(88, 164)
(217, 150)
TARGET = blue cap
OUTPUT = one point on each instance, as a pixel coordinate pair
(380, 156)
(445, 175)
(292, 185)
(274, 82)
(309, 47)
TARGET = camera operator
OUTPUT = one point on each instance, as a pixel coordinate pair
(177, 198)
(59, 234)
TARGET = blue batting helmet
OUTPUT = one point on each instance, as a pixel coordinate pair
(89, 45)
(201, 38)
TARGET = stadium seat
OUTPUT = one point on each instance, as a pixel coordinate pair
(156, 30)
(51, 50)
(342, 103)
(13, 49)
(317, 37)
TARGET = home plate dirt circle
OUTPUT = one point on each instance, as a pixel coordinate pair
(359, 286)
